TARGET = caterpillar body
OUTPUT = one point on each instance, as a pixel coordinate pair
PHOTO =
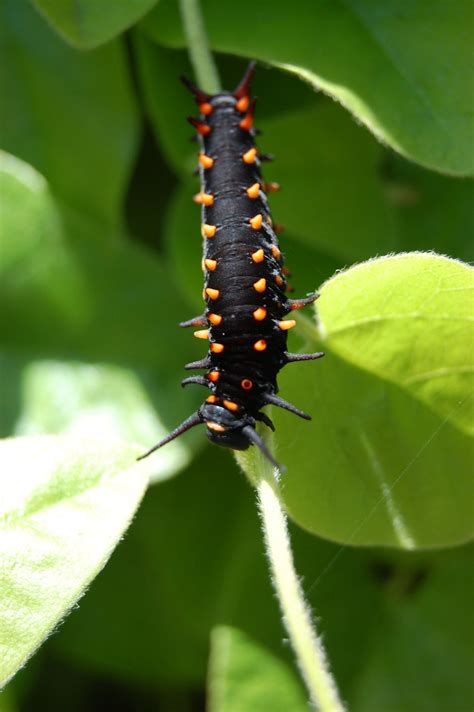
(245, 285)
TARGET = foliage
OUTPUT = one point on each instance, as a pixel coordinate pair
(100, 260)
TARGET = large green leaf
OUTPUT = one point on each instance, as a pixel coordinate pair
(401, 69)
(245, 676)
(408, 319)
(65, 503)
(386, 460)
(71, 115)
(88, 23)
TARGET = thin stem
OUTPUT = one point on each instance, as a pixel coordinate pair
(201, 58)
(308, 648)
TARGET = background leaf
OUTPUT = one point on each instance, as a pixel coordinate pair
(49, 91)
(401, 70)
(244, 676)
(61, 516)
(86, 24)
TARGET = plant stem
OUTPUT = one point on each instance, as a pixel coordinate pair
(198, 46)
(308, 648)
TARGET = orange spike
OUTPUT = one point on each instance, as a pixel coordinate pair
(246, 384)
(212, 293)
(204, 199)
(259, 314)
(242, 104)
(254, 191)
(206, 161)
(272, 187)
(286, 271)
(278, 228)
(256, 222)
(276, 252)
(279, 280)
(260, 345)
(250, 156)
(270, 221)
(200, 126)
(215, 319)
(212, 399)
(210, 264)
(208, 230)
(285, 325)
(247, 122)
(203, 334)
(258, 255)
(215, 426)
(217, 348)
(230, 405)
(206, 108)
(260, 285)
(214, 376)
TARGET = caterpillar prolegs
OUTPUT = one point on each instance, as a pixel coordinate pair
(244, 283)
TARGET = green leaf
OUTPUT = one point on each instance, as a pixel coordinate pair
(77, 312)
(423, 640)
(83, 399)
(77, 126)
(86, 23)
(407, 319)
(384, 462)
(65, 504)
(245, 676)
(401, 70)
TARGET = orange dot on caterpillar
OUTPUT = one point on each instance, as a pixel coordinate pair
(260, 285)
(215, 319)
(259, 314)
(258, 255)
(208, 230)
(260, 345)
(206, 161)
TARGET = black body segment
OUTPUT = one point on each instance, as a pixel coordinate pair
(244, 280)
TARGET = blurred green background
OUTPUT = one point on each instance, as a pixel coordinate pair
(99, 262)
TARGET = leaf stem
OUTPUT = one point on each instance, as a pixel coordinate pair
(308, 648)
(198, 46)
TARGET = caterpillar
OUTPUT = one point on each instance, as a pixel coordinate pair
(245, 284)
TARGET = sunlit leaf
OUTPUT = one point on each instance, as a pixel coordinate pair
(65, 503)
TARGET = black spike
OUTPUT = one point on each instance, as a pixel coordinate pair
(268, 157)
(199, 94)
(200, 380)
(276, 400)
(243, 89)
(194, 419)
(254, 437)
(293, 358)
(265, 419)
(195, 321)
(203, 363)
(293, 304)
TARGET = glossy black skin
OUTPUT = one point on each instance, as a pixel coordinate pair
(232, 246)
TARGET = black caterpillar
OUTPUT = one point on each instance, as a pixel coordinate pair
(245, 283)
